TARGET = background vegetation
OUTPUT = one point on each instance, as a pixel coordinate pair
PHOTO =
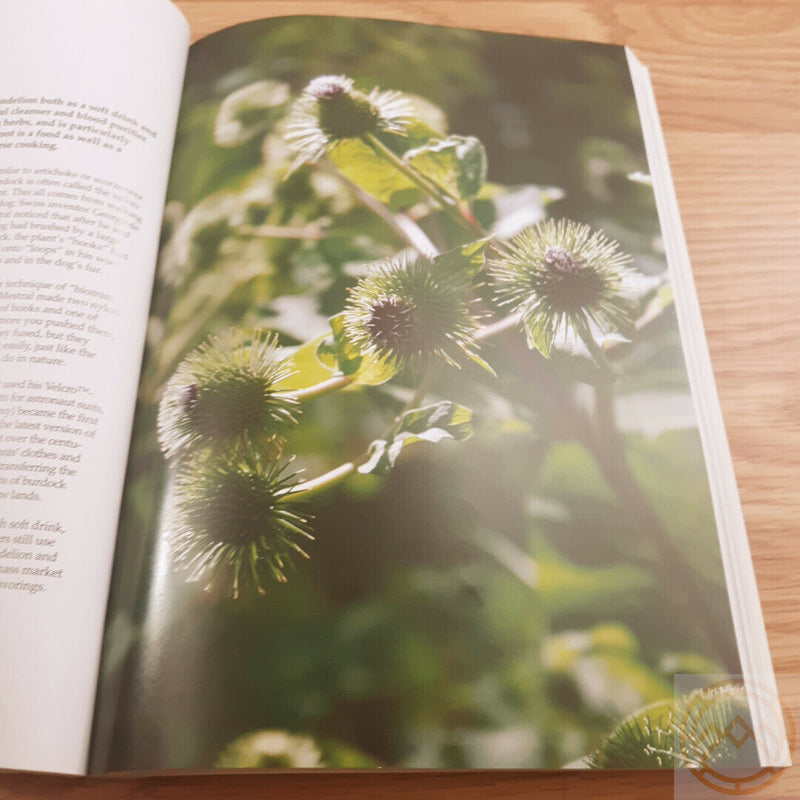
(492, 602)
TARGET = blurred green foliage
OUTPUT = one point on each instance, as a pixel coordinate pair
(488, 602)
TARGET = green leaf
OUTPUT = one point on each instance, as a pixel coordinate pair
(460, 163)
(453, 420)
(335, 352)
(468, 259)
(248, 112)
(445, 420)
(485, 365)
(359, 163)
(539, 336)
(307, 370)
(418, 133)
(457, 163)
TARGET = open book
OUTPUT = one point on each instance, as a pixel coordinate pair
(423, 465)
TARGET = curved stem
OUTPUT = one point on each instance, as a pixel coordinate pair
(415, 235)
(401, 224)
(310, 488)
(424, 184)
(329, 385)
(447, 203)
(420, 391)
(340, 381)
(307, 489)
(493, 328)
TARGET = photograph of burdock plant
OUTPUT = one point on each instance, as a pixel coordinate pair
(416, 479)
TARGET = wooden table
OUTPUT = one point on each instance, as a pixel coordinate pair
(727, 79)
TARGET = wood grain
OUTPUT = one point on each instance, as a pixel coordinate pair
(727, 79)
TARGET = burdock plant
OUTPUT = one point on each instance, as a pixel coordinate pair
(691, 731)
(226, 419)
(232, 517)
(410, 311)
(273, 749)
(225, 392)
(330, 110)
(561, 275)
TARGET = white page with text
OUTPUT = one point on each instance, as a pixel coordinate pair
(89, 97)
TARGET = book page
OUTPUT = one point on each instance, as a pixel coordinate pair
(416, 479)
(88, 104)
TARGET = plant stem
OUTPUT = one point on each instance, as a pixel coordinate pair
(413, 402)
(420, 391)
(493, 328)
(447, 203)
(315, 485)
(599, 355)
(605, 444)
(340, 381)
(307, 489)
(312, 231)
(608, 450)
(423, 183)
(401, 224)
(329, 385)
